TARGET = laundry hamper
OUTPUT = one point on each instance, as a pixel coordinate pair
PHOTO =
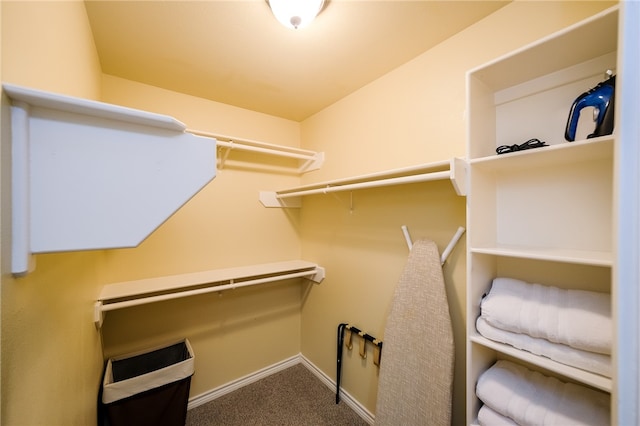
(149, 388)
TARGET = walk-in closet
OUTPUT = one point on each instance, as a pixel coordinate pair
(398, 212)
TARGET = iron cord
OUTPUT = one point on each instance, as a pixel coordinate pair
(531, 143)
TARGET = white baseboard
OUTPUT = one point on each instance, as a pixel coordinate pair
(345, 397)
(208, 396)
(215, 393)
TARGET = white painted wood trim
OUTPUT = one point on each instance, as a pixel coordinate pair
(55, 101)
(222, 390)
(626, 271)
(88, 175)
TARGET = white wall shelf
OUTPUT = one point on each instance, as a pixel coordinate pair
(553, 155)
(454, 170)
(132, 293)
(543, 215)
(88, 175)
(583, 257)
(307, 160)
(582, 376)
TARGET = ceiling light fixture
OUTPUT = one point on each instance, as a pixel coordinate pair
(295, 13)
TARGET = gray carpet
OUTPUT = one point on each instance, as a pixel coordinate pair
(292, 397)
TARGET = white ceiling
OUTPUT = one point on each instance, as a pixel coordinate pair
(235, 52)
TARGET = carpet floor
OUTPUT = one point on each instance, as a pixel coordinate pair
(292, 397)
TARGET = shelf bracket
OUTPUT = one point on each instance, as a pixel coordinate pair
(270, 199)
(98, 314)
(87, 175)
(318, 277)
(459, 175)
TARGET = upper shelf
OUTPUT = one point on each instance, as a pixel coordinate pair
(529, 93)
(89, 175)
(454, 170)
(593, 37)
(306, 160)
(600, 148)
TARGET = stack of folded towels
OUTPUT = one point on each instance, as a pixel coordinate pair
(515, 395)
(573, 327)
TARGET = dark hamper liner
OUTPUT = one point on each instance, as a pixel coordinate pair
(149, 388)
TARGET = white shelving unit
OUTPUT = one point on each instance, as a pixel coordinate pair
(543, 215)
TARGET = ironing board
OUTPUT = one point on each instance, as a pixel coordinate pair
(416, 374)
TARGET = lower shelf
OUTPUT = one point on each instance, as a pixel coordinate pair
(139, 292)
(595, 380)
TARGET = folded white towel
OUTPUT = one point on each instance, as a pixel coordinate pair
(577, 318)
(489, 417)
(530, 398)
(590, 361)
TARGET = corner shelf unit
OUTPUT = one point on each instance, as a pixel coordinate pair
(543, 215)
(133, 293)
(87, 175)
(453, 170)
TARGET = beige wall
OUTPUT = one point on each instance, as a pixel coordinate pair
(413, 114)
(240, 331)
(48, 45)
(51, 354)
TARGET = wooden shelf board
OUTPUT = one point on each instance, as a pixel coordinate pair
(584, 257)
(583, 376)
(552, 155)
(176, 282)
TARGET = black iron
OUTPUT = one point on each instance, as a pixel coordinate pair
(601, 98)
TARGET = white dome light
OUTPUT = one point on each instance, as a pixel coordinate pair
(295, 13)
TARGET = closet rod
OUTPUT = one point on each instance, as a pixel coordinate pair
(238, 145)
(425, 177)
(232, 285)
(230, 142)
